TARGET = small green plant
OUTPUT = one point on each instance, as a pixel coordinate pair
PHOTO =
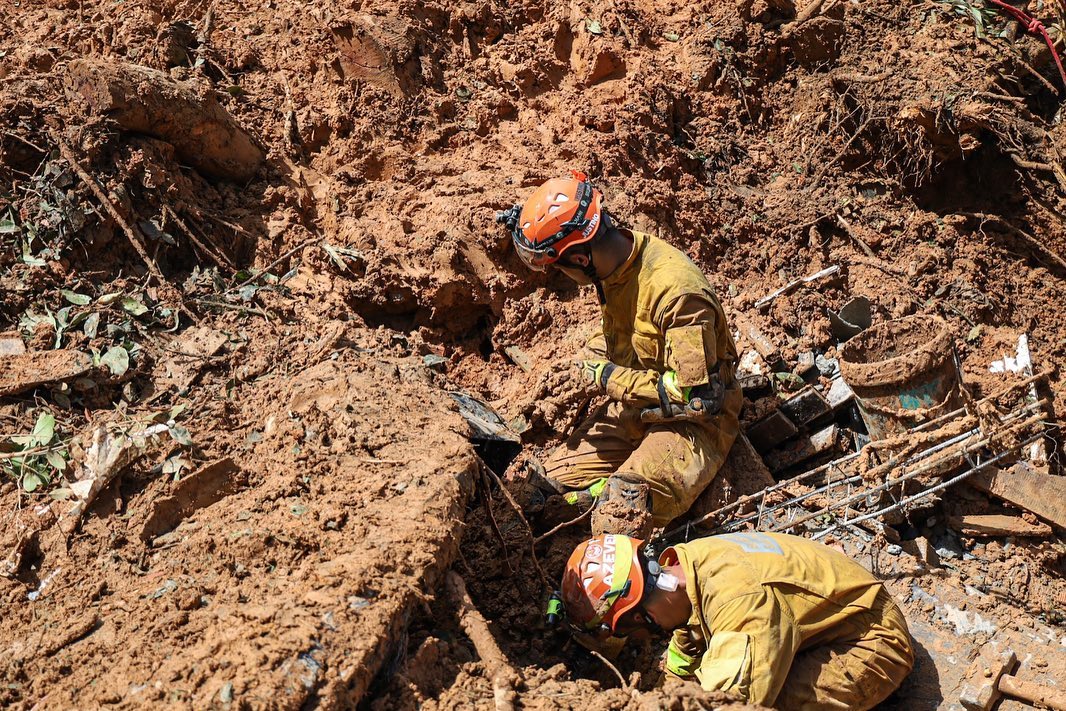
(983, 17)
(33, 460)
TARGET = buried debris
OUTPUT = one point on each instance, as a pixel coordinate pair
(111, 450)
(209, 484)
(19, 373)
(853, 318)
(913, 466)
(147, 101)
(502, 674)
(902, 372)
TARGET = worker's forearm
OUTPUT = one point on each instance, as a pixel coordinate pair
(634, 387)
(595, 347)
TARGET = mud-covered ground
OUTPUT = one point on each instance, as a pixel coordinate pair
(306, 323)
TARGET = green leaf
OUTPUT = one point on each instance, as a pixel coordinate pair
(133, 306)
(31, 480)
(7, 227)
(92, 322)
(75, 298)
(594, 27)
(56, 461)
(44, 430)
(181, 435)
(672, 36)
(117, 360)
(61, 494)
(177, 410)
(108, 299)
(975, 333)
(234, 90)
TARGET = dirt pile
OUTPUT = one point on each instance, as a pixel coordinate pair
(300, 298)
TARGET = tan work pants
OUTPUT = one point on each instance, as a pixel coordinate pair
(856, 671)
(678, 460)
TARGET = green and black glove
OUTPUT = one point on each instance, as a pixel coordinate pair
(596, 372)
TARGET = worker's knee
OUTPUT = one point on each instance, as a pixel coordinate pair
(624, 509)
(857, 674)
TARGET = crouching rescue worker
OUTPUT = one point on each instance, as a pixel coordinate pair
(775, 619)
(665, 358)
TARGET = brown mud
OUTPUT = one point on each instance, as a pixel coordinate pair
(308, 320)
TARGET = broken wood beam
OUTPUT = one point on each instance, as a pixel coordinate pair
(150, 102)
(997, 525)
(1042, 494)
(769, 298)
(502, 674)
(805, 406)
(771, 431)
(19, 373)
(823, 442)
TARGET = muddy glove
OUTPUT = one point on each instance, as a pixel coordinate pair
(595, 374)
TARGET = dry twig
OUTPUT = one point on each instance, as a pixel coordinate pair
(612, 667)
(532, 539)
(1031, 241)
(219, 257)
(98, 191)
(565, 524)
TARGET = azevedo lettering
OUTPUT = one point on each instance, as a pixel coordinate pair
(610, 549)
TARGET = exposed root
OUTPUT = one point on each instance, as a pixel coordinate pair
(502, 674)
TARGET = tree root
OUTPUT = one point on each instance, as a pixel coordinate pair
(501, 673)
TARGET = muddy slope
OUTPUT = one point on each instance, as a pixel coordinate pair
(919, 152)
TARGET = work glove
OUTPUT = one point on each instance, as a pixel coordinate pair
(595, 373)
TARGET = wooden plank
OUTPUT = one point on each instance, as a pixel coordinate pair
(518, 357)
(805, 406)
(822, 442)
(19, 373)
(997, 525)
(771, 431)
(1042, 494)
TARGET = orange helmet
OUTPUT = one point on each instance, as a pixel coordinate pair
(559, 214)
(603, 581)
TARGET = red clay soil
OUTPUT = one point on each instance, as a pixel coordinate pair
(889, 138)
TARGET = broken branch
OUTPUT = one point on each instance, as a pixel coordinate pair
(138, 245)
(565, 524)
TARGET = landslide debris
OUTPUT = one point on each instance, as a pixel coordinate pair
(313, 266)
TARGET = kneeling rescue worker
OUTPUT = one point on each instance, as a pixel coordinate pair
(665, 359)
(777, 620)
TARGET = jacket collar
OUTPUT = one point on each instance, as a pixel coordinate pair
(622, 273)
(678, 554)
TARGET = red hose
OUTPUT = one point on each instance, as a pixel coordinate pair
(1034, 26)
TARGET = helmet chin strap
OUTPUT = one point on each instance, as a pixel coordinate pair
(589, 270)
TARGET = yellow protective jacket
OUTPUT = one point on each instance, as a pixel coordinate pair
(757, 599)
(661, 315)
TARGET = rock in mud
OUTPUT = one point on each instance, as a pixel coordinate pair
(147, 101)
